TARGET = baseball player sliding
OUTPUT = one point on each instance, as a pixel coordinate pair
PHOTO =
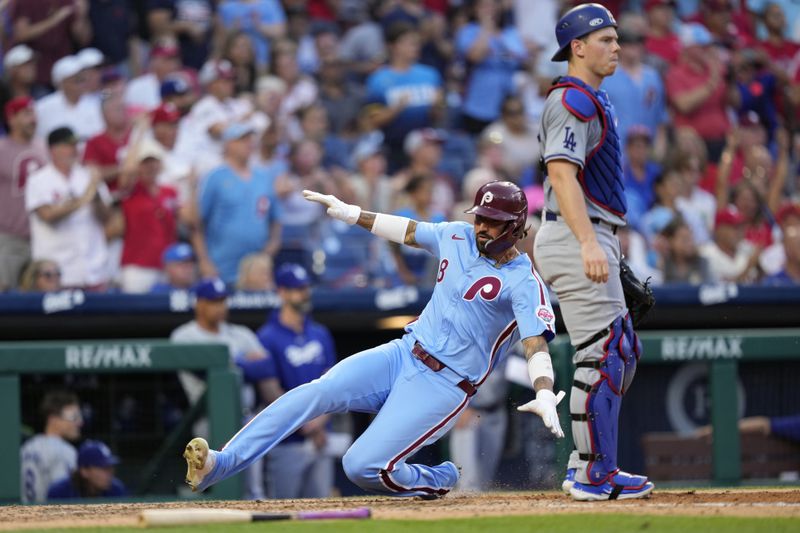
(487, 296)
(578, 253)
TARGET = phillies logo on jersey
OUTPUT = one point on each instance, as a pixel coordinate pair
(23, 167)
(546, 315)
(488, 287)
(487, 198)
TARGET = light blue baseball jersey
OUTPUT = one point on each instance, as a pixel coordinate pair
(477, 311)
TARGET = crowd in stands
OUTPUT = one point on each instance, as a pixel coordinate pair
(148, 144)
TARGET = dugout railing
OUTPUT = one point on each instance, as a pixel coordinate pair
(722, 351)
(221, 399)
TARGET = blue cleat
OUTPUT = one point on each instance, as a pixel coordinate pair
(569, 480)
(609, 490)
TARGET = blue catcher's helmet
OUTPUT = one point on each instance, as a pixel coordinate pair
(580, 21)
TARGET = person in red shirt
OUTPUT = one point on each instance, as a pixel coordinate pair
(697, 89)
(150, 213)
(779, 49)
(661, 41)
(103, 150)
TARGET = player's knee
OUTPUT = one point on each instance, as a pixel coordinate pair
(358, 470)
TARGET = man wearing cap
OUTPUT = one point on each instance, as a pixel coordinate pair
(697, 90)
(143, 93)
(69, 106)
(176, 171)
(19, 76)
(637, 91)
(239, 211)
(150, 212)
(92, 59)
(51, 29)
(578, 252)
(213, 113)
(731, 257)
(20, 155)
(68, 206)
(210, 326)
(94, 477)
(179, 269)
(301, 350)
(662, 43)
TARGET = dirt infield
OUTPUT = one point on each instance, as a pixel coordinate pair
(729, 502)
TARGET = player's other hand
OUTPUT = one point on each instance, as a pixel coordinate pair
(595, 262)
(336, 208)
(545, 406)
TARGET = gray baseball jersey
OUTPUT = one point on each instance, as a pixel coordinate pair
(564, 136)
(45, 460)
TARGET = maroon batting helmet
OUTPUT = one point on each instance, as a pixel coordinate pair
(502, 200)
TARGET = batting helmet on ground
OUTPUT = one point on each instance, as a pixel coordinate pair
(577, 22)
(502, 200)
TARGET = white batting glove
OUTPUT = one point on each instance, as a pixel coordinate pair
(545, 406)
(336, 208)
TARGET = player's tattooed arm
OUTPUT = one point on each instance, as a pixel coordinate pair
(534, 345)
(367, 221)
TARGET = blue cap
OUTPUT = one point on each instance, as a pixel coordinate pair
(579, 21)
(292, 276)
(177, 252)
(211, 289)
(236, 131)
(96, 453)
(174, 85)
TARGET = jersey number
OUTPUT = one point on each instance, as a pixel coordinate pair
(569, 139)
(487, 287)
(442, 267)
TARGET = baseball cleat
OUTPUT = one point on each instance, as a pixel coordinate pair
(585, 492)
(197, 455)
(569, 480)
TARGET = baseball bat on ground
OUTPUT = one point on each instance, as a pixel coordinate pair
(188, 515)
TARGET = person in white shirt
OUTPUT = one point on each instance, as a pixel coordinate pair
(731, 257)
(143, 93)
(69, 106)
(68, 207)
(211, 115)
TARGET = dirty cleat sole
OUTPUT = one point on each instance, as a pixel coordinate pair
(196, 454)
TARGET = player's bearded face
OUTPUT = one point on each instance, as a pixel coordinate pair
(486, 230)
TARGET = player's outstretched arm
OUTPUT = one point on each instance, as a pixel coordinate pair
(396, 229)
(540, 370)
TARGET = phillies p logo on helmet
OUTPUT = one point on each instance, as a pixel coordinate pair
(487, 198)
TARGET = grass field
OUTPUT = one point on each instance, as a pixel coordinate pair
(595, 523)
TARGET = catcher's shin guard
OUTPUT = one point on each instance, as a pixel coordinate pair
(604, 371)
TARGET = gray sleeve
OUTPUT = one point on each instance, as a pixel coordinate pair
(563, 135)
(246, 341)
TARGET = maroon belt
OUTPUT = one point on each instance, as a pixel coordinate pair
(436, 365)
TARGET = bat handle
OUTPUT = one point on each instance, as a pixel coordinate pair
(353, 514)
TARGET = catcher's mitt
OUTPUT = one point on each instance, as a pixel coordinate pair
(638, 296)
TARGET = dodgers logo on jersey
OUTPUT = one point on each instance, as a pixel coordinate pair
(488, 287)
(569, 139)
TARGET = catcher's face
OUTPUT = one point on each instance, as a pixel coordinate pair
(487, 229)
(599, 51)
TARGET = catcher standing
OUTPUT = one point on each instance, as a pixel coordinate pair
(578, 253)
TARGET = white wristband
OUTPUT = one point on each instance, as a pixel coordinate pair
(540, 366)
(391, 227)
